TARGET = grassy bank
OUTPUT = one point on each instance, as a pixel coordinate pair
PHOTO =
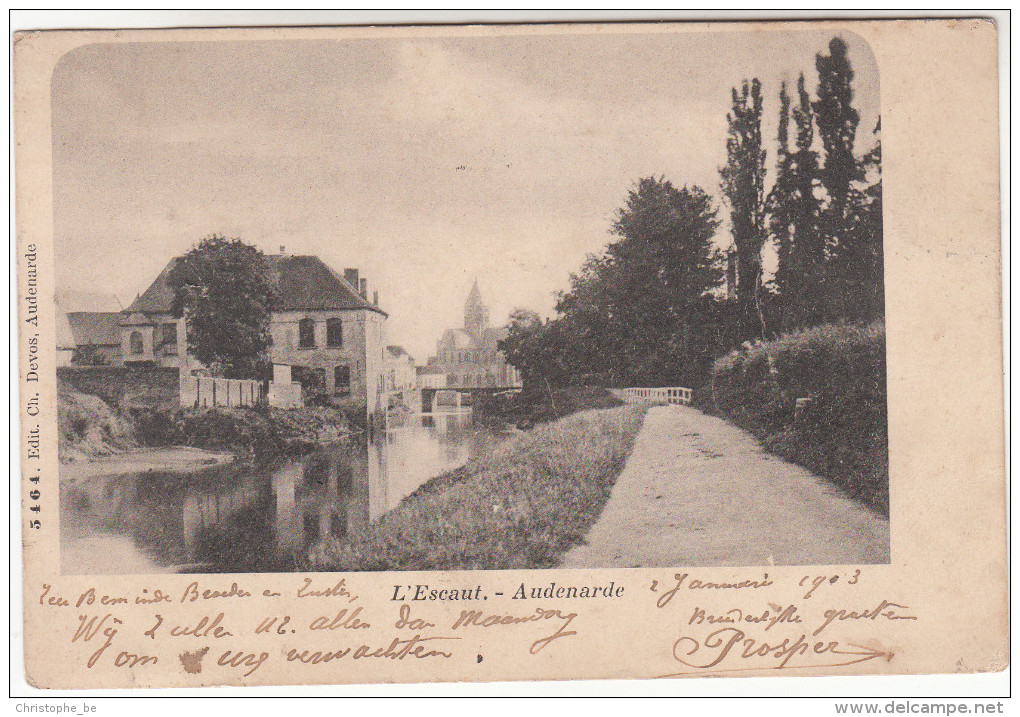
(534, 497)
(92, 427)
(842, 431)
(526, 409)
(88, 427)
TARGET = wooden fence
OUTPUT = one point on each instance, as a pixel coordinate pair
(207, 391)
(674, 395)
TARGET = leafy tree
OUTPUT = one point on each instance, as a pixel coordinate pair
(225, 289)
(635, 314)
(630, 314)
(669, 231)
(523, 346)
(743, 184)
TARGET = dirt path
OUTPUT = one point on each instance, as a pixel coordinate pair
(697, 491)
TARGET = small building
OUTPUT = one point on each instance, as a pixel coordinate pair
(96, 336)
(324, 327)
(431, 378)
(400, 371)
(469, 357)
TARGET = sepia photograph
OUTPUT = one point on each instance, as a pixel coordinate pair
(546, 352)
(448, 303)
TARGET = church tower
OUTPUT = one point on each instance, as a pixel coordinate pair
(476, 315)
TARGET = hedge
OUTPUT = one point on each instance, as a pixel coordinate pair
(841, 433)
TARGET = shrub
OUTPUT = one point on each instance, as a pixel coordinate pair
(88, 427)
(88, 355)
(527, 409)
(842, 433)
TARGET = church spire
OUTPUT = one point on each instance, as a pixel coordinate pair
(474, 296)
(476, 315)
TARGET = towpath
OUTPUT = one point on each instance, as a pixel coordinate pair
(697, 491)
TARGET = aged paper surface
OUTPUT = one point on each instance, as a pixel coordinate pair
(135, 576)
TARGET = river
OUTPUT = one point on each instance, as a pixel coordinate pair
(239, 518)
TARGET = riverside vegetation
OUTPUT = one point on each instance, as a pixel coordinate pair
(841, 433)
(522, 506)
(105, 411)
(666, 304)
(524, 409)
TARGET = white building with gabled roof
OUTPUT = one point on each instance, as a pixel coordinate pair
(324, 326)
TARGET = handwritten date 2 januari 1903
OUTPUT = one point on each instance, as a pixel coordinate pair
(734, 641)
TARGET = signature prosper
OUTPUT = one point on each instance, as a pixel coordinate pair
(732, 646)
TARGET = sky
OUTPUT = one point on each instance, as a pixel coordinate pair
(424, 162)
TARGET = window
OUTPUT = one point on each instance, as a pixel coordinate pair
(137, 345)
(170, 339)
(306, 334)
(334, 333)
(312, 380)
(342, 379)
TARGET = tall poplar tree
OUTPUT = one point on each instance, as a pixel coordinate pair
(837, 128)
(743, 184)
(867, 301)
(780, 206)
(809, 242)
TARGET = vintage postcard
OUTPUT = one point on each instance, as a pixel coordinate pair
(509, 352)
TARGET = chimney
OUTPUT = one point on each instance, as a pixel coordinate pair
(364, 289)
(352, 277)
(375, 298)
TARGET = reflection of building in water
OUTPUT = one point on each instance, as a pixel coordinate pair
(202, 511)
(443, 423)
(326, 495)
(242, 519)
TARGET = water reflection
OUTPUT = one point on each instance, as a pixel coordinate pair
(244, 519)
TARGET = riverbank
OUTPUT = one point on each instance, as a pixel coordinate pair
(175, 459)
(251, 432)
(520, 507)
(91, 430)
(526, 409)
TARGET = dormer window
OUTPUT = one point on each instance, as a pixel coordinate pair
(306, 334)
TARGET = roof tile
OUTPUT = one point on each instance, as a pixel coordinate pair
(305, 283)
